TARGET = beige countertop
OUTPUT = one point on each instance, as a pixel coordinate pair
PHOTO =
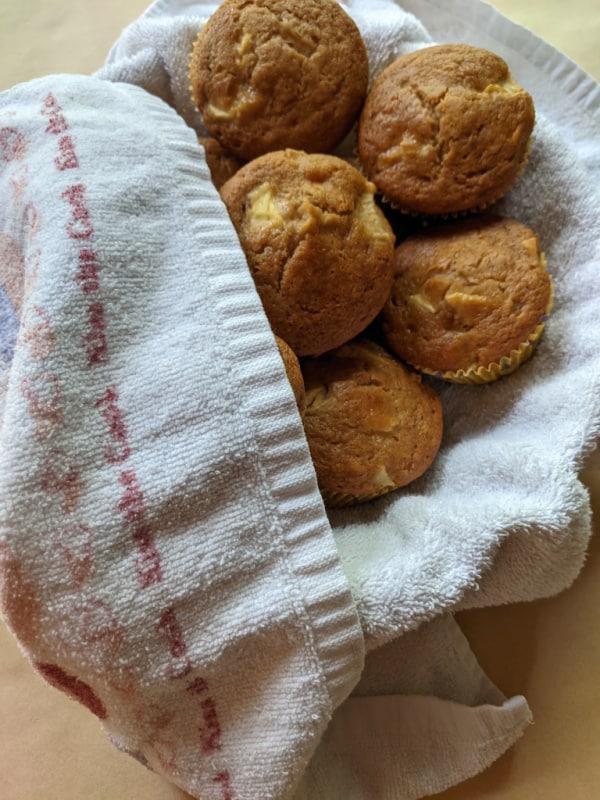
(40, 37)
(549, 650)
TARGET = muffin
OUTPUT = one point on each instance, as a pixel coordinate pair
(470, 298)
(371, 424)
(294, 373)
(222, 165)
(271, 74)
(445, 130)
(320, 250)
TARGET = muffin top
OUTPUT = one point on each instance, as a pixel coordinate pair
(319, 248)
(445, 129)
(466, 293)
(271, 74)
(371, 424)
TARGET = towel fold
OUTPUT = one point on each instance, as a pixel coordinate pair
(165, 556)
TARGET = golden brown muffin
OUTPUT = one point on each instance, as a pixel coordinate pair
(294, 373)
(320, 250)
(371, 424)
(470, 298)
(222, 165)
(445, 129)
(271, 74)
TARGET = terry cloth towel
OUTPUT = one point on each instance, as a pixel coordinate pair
(164, 552)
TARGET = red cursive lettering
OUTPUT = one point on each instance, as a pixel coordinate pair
(67, 158)
(79, 226)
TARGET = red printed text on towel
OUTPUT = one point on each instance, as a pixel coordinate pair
(79, 228)
(74, 542)
(131, 506)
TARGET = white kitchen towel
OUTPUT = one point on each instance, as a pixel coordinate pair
(166, 558)
(423, 717)
(165, 555)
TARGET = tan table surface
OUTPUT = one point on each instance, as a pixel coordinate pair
(52, 749)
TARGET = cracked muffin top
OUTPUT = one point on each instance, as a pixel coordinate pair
(271, 74)
(467, 294)
(372, 426)
(445, 129)
(319, 249)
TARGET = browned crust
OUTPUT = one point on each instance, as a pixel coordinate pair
(445, 129)
(222, 165)
(270, 74)
(371, 424)
(319, 249)
(466, 293)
